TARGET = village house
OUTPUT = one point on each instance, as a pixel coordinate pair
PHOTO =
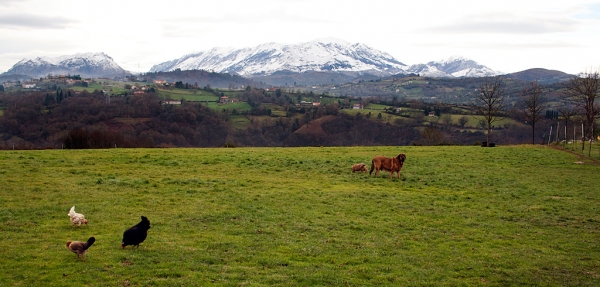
(170, 102)
(28, 85)
(160, 82)
(308, 104)
(9, 84)
(357, 107)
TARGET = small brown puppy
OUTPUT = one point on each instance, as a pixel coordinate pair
(359, 167)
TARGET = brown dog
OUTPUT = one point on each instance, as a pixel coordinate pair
(359, 167)
(393, 164)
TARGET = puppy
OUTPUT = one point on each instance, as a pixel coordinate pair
(359, 167)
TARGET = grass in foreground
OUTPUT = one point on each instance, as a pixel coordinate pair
(298, 217)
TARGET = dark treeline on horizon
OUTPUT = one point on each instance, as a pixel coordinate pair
(37, 120)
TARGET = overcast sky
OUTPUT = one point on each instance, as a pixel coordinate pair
(507, 36)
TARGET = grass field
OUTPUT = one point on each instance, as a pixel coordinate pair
(376, 107)
(238, 106)
(188, 95)
(115, 88)
(514, 215)
(239, 121)
(276, 110)
(385, 117)
(473, 121)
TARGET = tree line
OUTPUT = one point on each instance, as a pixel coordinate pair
(578, 104)
(68, 119)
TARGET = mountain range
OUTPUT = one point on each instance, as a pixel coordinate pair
(84, 64)
(325, 55)
(316, 62)
(322, 55)
(451, 68)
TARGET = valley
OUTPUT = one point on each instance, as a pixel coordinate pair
(181, 114)
(320, 93)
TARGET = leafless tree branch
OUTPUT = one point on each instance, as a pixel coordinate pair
(582, 91)
(532, 104)
(490, 101)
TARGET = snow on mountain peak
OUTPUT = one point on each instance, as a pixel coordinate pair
(331, 41)
(454, 58)
(454, 66)
(85, 64)
(327, 54)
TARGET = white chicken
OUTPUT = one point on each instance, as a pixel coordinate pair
(76, 218)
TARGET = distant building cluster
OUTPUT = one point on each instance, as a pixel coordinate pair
(306, 103)
(33, 83)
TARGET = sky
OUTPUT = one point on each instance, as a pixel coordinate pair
(506, 36)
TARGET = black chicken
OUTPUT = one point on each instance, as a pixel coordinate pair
(136, 234)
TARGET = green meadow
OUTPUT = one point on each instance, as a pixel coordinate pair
(458, 216)
(188, 95)
(113, 88)
(238, 106)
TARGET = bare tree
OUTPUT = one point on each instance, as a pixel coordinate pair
(567, 112)
(446, 119)
(532, 104)
(462, 121)
(490, 102)
(432, 136)
(581, 91)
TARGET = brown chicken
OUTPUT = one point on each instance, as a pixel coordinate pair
(80, 248)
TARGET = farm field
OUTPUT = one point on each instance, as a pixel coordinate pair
(239, 121)
(510, 215)
(113, 88)
(188, 95)
(238, 106)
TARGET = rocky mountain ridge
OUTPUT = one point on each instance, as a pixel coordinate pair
(83, 64)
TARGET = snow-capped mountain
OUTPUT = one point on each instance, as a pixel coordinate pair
(452, 67)
(271, 59)
(320, 55)
(84, 64)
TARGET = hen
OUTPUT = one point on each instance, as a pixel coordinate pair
(80, 248)
(76, 218)
(136, 234)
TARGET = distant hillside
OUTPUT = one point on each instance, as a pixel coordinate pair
(309, 78)
(13, 77)
(202, 78)
(543, 76)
